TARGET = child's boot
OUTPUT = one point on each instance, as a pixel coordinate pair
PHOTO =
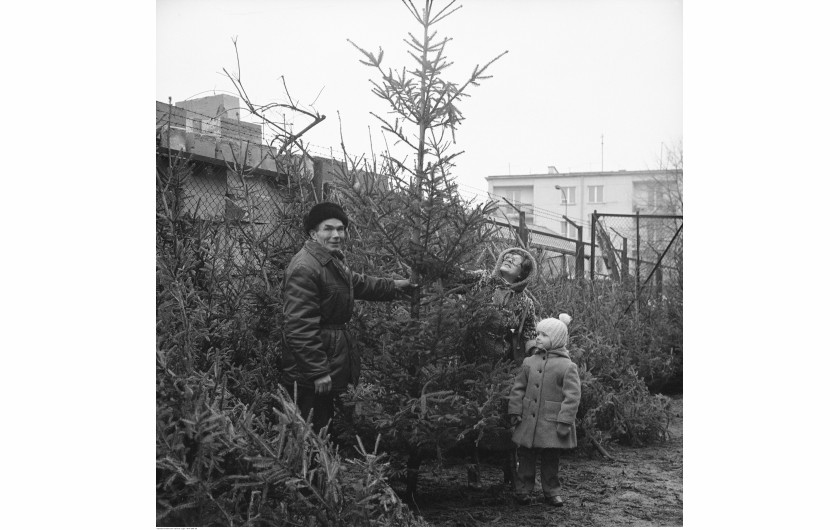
(554, 500)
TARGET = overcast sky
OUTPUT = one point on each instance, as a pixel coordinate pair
(576, 69)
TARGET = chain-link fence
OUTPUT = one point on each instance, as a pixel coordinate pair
(557, 256)
(645, 248)
(247, 219)
(217, 171)
(641, 246)
(212, 192)
(257, 205)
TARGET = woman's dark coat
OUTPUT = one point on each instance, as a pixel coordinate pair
(503, 311)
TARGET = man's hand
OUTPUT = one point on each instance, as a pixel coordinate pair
(405, 287)
(515, 420)
(323, 385)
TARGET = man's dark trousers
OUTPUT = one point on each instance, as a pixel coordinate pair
(321, 405)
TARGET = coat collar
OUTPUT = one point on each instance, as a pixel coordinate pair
(319, 252)
(324, 256)
(557, 352)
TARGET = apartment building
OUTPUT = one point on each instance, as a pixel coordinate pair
(210, 131)
(547, 197)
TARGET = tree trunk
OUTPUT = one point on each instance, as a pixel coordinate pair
(412, 473)
(474, 470)
(509, 467)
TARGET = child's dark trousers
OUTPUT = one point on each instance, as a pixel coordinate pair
(526, 470)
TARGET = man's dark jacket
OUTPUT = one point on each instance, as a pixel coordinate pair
(319, 292)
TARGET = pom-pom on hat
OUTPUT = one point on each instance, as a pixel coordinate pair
(321, 212)
(556, 329)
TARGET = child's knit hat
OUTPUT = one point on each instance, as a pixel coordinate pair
(556, 329)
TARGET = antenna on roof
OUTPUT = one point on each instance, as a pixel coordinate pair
(602, 152)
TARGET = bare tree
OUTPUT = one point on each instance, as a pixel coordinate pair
(282, 140)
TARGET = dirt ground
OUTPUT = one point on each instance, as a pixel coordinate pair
(639, 487)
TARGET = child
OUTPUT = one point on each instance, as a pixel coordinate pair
(543, 404)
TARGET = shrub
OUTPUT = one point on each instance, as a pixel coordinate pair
(220, 462)
(231, 447)
(624, 358)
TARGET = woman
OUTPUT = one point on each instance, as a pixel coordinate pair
(503, 323)
(502, 327)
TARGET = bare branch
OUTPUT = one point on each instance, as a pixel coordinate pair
(442, 13)
(412, 10)
(318, 96)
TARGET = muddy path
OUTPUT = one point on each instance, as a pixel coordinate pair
(639, 487)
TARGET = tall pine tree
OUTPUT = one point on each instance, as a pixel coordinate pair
(409, 218)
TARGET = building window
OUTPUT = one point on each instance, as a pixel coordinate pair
(567, 194)
(649, 196)
(652, 234)
(521, 197)
(567, 229)
(596, 194)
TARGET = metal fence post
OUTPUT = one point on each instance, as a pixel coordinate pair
(625, 263)
(638, 257)
(592, 249)
(523, 229)
(657, 279)
(579, 255)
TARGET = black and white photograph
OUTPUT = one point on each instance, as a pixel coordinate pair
(419, 263)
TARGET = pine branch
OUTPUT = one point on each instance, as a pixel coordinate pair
(442, 13)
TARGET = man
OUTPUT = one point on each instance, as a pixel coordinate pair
(319, 292)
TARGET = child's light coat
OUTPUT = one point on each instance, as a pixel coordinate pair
(546, 392)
